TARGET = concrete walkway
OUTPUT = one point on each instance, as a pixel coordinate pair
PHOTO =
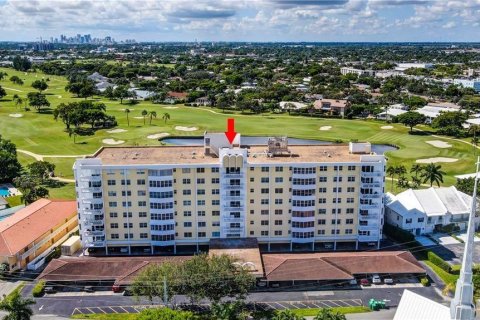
(40, 157)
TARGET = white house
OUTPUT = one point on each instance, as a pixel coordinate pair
(422, 211)
(296, 105)
(405, 66)
(393, 111)
(433, 110)
(467, 83)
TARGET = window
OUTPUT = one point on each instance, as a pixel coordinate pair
(322, 179)
(187, 202)
(202, 224)
(350, 210)
(339, 210)
(202, 234)
(142, 203)
(130, 215)
(160, 184)
(264, 180)
(339, 189)
(322, 190)
(350, 200)
(186, 181)
(201, 213)
(142, 225)
(215, 170)
(337, 179)
(351, 179)
(278, 201)
(351, 168)
(141, 182)
(114, 236)
(126, 182)
(322, 200)
(215, 180)
(215, 202)
(338, 168)
(349, 221)
(200, 202)
(143, 235)
(278, 169)
(215, 213)
(112, 194)
(322, 168)
(216, 234)
(322, 211)
(200, 170)
(141, 193)
(278, 190)
(215, 191)
(348, 231)
(187, 192)
(278, 211)
(187, 224)
(278, 232)
(200, 181)
(187, 213)
(112, 204)
(350, 189)
(128, 235)
(142, 214)
(114, 225)
(113, 215)
(265, 190)
(128, 225)
(111, 182)
(264, 212)
(185, 170)
(264, 233)
(335, 232)
(321, 232)
(187, 234)
(278, 222)
(252, 179)
(337, 200)
(409, 220)
(321, 221)
(265, 169)
(200, 192)
(264, 222)
(264, 201)
(421, 219)
(215, 223)
(278, 180)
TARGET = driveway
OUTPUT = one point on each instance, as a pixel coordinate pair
(424, 241)
(444, 239)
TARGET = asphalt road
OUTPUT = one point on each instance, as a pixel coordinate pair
(66, 305)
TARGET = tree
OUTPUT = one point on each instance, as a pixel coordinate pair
(411, 119)
(152, 114)
(151, 281)
(72, 132)
(65, 113)
(166, 116)
(41, 170)
(127, 111)
(465, 185)
(21, 63)
(9, 165)
(121, 92)
(17, 307)
(287, 315)
(231, 310)
(432, 173)
(3, 75)
(166, 314)
(30, 188)
(38, 100)
(416, 169)
(40, 85)
(450, 123)
(144, 115)
(391, 171)
(18, 100)
(16, 80)
(3, 93)
(329, 314)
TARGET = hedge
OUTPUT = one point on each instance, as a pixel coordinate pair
(439, 262)
(398, 234)
(39, 288)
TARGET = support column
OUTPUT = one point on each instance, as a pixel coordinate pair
(268, 246)
(313, 246)
(334, 245)
(291, 246)
(174, 248)
(356, 245)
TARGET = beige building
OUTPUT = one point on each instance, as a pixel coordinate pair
(31, 233)
(157, 199)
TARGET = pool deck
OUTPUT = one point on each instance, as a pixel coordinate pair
(11, 189)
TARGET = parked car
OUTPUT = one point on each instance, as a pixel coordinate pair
(116, 288)
(127, 293)
(376, 279)
(388, 281)
(49, 290)
(364, 282)
(88, 289)
(353, 282)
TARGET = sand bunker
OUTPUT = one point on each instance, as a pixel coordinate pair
(137, 117)
(117, 131)
(158, 135)
(180, 128)
(170, 107)
(437, 159)
(126, 109)
(325, 128)
(59, 97)
(15, 115)
(439, 144)
(387, 127)
(112, 141)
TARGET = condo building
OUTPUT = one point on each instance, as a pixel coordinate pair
(140, 200)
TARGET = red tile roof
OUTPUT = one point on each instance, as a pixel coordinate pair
(178, 95)
(121, 270)
(31, 222)
(338, 265)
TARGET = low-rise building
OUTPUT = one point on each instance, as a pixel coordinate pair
(409, 65)
(32, 232)
(433, 110)
(393, 111)
(3, 203)
(427, 210)
(359, 72)
(203, 101)
(175, 97)
(331, 105)
(468, 83)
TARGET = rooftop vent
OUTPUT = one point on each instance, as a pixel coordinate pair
(278, 146)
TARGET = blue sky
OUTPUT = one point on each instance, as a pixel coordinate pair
(244, 20)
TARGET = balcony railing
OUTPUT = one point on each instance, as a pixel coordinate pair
(233, 186)
(370, 196)
(93, 222)
(234, 175)
(371, 174)
(94, 233)
(371, 185)
(234, 220)
(229, 208)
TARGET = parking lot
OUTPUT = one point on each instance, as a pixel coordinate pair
(279, 305)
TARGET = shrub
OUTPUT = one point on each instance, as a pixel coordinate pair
(455, 269)
(39, 288)
(166, 314)
(398, 234)
(439, 262)
(425, 282)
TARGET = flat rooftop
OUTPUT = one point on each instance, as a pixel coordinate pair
(244, 250)
(196, 155)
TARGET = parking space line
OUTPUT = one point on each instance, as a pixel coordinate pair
(316, 305)
(76, 310)
(289, 305)
(281, 306)
(89, 310)
(302, 304)
(123, 309)
(331, 301)
(114, 311)
(271, 306)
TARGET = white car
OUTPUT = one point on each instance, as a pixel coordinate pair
(388, 281)
(376, 279)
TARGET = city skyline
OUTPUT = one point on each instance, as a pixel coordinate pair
(256, 21)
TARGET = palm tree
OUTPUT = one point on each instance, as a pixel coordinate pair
(152, 114)
(17, 307)
(433, 174)
(144, 115)
(417, 169)
(127, 111)
(329, 314)
(391, 171)
(166, 116)
(400, 171)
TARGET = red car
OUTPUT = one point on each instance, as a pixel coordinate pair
(365, 282)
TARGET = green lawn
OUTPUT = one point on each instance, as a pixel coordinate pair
(113, 316)
(445, 276)
(39, 133)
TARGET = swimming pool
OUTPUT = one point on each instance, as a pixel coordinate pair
(4, 192)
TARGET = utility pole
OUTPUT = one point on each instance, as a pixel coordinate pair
(165, 293)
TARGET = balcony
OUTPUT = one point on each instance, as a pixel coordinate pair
(233, 220)
(94, 233)
(91, 189)
(303, 240)
(234, 198)
(372, 174)
(303, 219)
(308, 229)
(310, 208)
(228, 208)
(371, 185)
(369, 206)
(93, 222)
(234, 175)
(90, 244)
(162, 232)
(163, 243)
(90, 212)
(233, 186)
(370, 196)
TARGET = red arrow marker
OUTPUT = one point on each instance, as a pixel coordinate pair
(230, 133)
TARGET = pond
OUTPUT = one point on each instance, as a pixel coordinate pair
(377, 148)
